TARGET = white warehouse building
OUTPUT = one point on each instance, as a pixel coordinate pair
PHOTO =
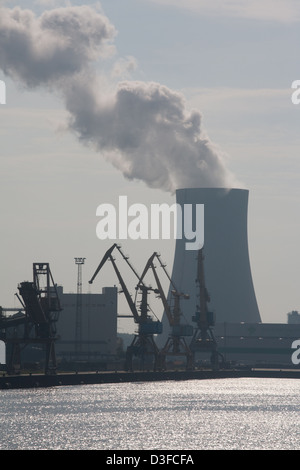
(98, 325)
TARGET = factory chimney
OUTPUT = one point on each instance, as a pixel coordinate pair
(226, 257)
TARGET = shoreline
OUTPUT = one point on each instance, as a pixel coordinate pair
(24, 381)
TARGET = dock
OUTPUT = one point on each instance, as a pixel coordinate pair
(23, 381)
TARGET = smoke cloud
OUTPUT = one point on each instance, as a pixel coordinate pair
(55, 46)
(144, 129)
(147, 133)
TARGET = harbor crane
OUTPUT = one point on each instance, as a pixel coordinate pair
(143, 342)
(203, 339)
(41, 305)
(176, 344)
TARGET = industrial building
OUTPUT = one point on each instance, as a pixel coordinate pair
(259, 344)
(293, 317)
(98, 326)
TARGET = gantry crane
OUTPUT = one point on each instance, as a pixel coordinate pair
(176, 344)
(41, 305)
(203, 339)
(143, 342)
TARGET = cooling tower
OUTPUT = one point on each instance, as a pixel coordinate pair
(226, 257)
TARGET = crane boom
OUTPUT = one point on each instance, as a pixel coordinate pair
(108, 256)
(173, 318)
(166, 272)
(102, 262)
(126, 293)
(162, 295)
(127, 260)
(149, 265)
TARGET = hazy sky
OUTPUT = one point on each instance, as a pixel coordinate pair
(213, 68)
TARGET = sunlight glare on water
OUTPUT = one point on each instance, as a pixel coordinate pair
(185, 415)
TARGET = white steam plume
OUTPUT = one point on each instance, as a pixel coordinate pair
(144, 129)
(147, 133)
(57, 45)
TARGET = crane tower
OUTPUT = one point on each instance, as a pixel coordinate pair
(203, 339)
(143, 343)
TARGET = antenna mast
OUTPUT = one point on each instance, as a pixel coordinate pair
(78, 324)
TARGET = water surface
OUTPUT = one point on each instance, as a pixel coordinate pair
(240, 414)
